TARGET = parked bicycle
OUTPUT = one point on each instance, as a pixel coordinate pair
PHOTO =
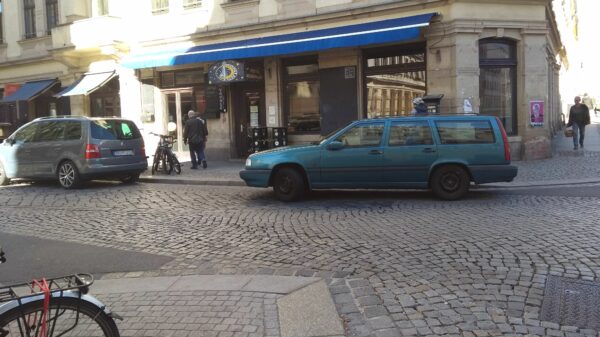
(54, 307)
(164, 158)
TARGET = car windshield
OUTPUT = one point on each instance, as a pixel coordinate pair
(327, 136)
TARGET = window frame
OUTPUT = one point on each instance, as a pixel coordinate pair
(1, 21)
(419, 122)
(29, 19)
(509, 63)
(160, 10)
(191, 5)
(51, 8)
(296, 78)
(361, 125)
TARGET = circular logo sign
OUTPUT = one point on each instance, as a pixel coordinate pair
(226, 71)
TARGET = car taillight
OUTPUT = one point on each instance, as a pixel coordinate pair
(504, 139)
(143, 151)
(92, 151)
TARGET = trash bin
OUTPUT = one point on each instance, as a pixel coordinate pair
(433, 103)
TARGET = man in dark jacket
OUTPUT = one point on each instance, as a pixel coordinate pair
(194, 134)
(579, 117)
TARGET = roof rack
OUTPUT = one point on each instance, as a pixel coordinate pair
(427, 115)
(59, 116)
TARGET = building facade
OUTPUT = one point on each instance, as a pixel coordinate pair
(310, 66)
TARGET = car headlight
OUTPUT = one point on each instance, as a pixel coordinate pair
(248, 162)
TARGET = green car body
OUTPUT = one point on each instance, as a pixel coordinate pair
(444, 153)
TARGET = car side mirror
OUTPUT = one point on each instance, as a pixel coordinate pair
(10, 141)
(335, 145)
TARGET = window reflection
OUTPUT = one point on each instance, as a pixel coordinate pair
(303, 106)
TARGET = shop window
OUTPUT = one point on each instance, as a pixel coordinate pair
(394, 76)
(301, 83)
(51, 14)
(105, 102)
(189, 4)
(183, 78)
(29, 18)
(147, 103)
(497, 81)
(160, 6)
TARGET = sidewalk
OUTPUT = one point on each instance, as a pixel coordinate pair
(567, 166)
(221, 306)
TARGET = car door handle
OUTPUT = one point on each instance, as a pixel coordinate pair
(429, 150)
(375, 152)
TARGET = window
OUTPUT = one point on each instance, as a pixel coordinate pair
(301, 96)
(114, 129)
(363, 135)
(50, 131)
(188, 4)
(393, 78)
(465, 132)
(160, 6)
(29, 16)
(410, 133)
(101, 7)
(497, 81)
(51, 14)
(26, 134)
(72, 130)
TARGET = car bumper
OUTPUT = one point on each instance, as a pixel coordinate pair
(256, 178)
(493, 173)
(105, 170)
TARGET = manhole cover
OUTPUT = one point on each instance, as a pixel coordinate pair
(572, 302)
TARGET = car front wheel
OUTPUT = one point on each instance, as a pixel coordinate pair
(288, 184)
(450, 182)
(68, 175)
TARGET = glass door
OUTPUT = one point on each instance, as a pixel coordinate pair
(178, 104)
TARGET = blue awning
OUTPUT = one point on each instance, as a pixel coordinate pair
(87, 84)
(386, 31)
(30, 90)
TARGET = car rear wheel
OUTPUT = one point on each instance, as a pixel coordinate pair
(450, 182)
(4, 180)
(288, 184)
(68, 175)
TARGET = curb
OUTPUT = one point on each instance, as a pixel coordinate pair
(180, 181)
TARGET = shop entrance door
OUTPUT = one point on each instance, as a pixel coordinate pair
(178, 103)
(249, 112)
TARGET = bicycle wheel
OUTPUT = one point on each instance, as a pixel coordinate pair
(65, 317)
(176, 164)
(156, 162)
(166, 163)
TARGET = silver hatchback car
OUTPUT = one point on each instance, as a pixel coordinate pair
(73, 149)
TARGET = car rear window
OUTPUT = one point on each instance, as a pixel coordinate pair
(114, 129)
(465, 132)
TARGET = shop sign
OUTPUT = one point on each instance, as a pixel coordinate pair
(536, 113)
(226, 72)
(216, 101)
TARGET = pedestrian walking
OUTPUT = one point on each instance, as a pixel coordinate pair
(194, 134)
(203, 147)
(579, 117)
(419, 107)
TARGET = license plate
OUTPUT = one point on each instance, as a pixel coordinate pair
(123, 153)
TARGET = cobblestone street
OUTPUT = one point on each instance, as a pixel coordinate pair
(397, 263)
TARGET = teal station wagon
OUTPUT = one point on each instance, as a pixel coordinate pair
(441, 153)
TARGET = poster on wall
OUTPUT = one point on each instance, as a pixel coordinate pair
(536, 113)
